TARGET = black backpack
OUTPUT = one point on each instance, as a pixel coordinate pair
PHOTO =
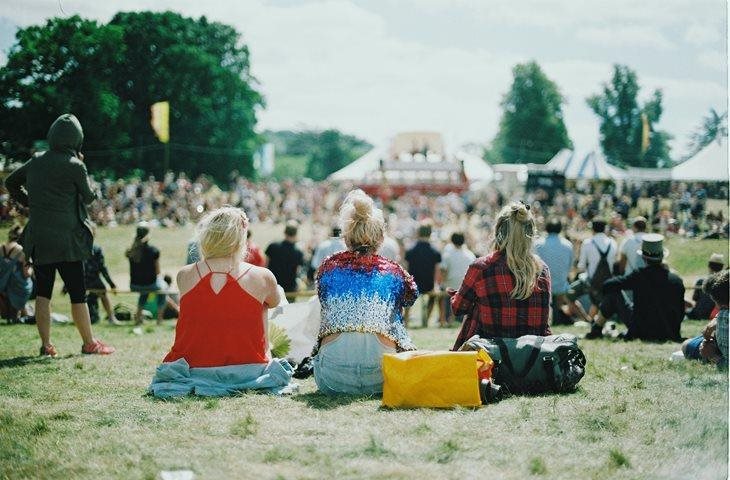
(534, 364)
(601, 274)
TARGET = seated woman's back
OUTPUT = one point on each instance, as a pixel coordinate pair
(366, 292)
(222, 314)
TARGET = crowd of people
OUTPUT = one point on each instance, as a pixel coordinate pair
(496, 275)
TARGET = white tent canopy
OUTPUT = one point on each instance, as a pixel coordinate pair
(709, 165)
(475, 169)
(358, 169)
(584, 166)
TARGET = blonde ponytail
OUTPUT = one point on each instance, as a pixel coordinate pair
(513, 235)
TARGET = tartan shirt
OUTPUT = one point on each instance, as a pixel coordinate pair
(492, 312)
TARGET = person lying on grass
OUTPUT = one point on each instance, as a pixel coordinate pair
(221, 338)
(362, 296)
(712, 345)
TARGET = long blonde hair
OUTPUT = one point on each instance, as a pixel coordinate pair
(513, 235)
(222, 233)
(363, 225)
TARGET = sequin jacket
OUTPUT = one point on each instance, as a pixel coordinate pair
(365, 293)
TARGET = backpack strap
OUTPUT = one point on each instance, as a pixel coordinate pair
(602, 254)
(504, 353)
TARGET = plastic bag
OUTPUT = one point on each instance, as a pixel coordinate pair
(434, 379)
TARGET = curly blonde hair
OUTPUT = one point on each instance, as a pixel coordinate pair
(513, 236)
(363, 225)
(222, 233)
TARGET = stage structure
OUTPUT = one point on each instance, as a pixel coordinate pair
(415, 161)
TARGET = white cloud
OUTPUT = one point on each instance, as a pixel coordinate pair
(336, 64)
(699, 35)
(625, 36)
(713, 60)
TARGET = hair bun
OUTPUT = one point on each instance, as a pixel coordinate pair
(521, 212)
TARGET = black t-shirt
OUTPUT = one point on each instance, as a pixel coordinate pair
(143, 272)
(284, 260)
(422, 260)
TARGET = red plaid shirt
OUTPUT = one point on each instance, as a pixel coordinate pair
(485, 298)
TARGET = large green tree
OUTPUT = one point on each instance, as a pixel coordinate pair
(329, 151)
(202, 69)
(621, 128)
(713, 127)
(109, 75)
(531, 129)
(66, 65)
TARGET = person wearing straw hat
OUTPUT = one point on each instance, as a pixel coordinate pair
(658, 307)
(703, 303)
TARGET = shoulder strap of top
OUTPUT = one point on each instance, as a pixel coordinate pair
(198, 269)
(244, 273)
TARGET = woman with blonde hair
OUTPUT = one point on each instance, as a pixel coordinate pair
(362, 296)
(506, 293)
(221, 337)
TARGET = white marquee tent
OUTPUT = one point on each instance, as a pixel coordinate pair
(709, 165)
(584, 166)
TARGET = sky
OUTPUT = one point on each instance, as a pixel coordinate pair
(375, 68)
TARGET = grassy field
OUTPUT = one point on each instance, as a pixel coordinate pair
(636, 415)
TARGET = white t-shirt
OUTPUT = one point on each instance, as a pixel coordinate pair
(456, 262)
(634, 261)
(390, 249)
(589, 256)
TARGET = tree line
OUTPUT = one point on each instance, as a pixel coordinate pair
(532, 129)
(110, 74)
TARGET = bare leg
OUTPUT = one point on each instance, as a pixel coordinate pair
(82, 320)
(43, 319)
(107, 307)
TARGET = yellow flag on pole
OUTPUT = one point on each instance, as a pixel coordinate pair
(161, 120)
(644, 132)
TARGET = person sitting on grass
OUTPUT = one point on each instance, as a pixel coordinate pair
(221, 338)
(362, 296)
(144, 269)
(657, 310)
(55, 188)
(16, 284)
(506, 293)
(703, 306)
(712, 345)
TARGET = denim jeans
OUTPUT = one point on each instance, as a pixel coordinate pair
(351, 364)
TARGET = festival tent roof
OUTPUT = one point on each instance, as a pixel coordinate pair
(475, 168)
(584, 166)
(358, 169)
(709, 165)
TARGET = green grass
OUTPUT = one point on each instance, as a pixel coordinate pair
(635, 415)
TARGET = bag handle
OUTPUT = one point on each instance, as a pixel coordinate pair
(504, 353)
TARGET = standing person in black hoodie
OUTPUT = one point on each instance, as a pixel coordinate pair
(55, 187)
